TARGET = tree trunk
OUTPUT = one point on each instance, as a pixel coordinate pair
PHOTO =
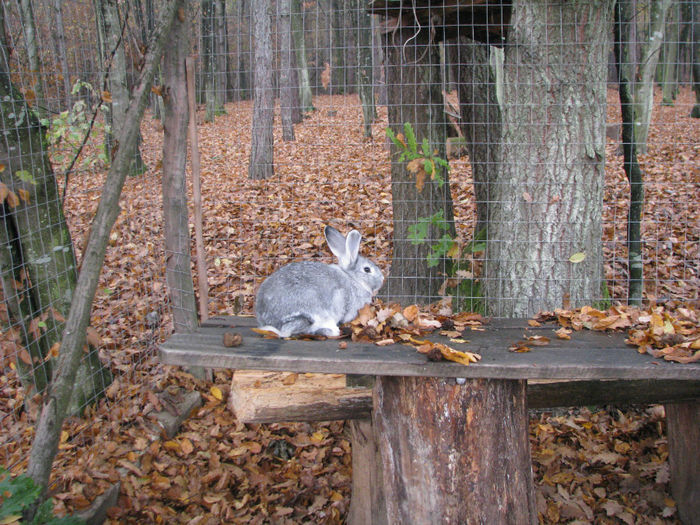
(624, 41)
(59, 35)
(364, 61)
(683, 420)
(261, 151)
(297, 21)
(118, 84)
(412, 74)
(550, 190)
(669, 78)
(30, 39)
(56, 400)
(454, 454)
(287, 87)
(209, 59)
(38, 263)
(221, 38)
(695, 31)
(480, 119)
(337, 47)
(649, 57)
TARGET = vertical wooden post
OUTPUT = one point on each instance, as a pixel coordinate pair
(683, 423)
(367, 504)
(197, 194)
(454, 453)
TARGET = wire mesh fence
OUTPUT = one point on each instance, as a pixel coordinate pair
(345, 113)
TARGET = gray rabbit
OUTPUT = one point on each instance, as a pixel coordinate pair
(310, 297)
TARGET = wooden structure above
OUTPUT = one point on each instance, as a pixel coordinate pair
(587, 356)
(481, 20)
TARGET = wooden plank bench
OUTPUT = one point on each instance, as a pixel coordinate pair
(592, 368)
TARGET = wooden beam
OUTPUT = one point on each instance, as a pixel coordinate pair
(271, 397)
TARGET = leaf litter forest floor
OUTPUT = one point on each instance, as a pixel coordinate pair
(603, 465)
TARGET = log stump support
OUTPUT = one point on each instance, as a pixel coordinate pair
(454, 453)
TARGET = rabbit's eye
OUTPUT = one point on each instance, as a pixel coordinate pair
(368, 269)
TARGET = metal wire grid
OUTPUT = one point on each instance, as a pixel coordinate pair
(333, 174)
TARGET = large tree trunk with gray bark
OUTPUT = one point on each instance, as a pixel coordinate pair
(544, 227)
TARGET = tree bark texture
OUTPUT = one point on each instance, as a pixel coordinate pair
(287, 87)
(695, 31)
(683, 422)
(178, 271)
(669, 77)
(547, 201)
(364, 62)
(624, 41)
(38, 262)
(53, 411)
(115, 35)
(454, 453)
(648, 59)
(297, 21)
(480, 119)
(261, 149)
(30, 38)
(338, 47)
(415, 97)
(59, 35)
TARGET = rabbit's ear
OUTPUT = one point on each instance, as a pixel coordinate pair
(352, 246)
(336, 242)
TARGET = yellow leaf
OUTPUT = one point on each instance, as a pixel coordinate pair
(4, 191)
(317, 437)
(9, 520)
(24, 195)
(453, 252)
(267, 333)
(2, 167)
(171, 445)
(577, 257)
(107, 96)
(64, 436)
(216, 392)
(458, 357)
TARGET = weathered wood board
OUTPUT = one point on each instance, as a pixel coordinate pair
(587, 356)
(270, 397)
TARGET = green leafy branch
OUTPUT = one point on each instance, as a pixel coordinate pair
(422, 163)
(19, 494)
